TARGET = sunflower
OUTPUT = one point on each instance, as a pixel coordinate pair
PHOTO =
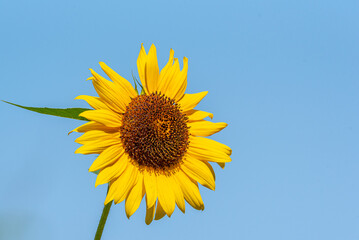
(152, 144)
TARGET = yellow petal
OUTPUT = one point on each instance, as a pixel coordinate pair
(135, 196)
(152, 70)
(109, 197)
(190, 101)
(165, 72)
(105, 117)
(150, 213)
(150, 181)
(199, 172)
(190, 190)
(173, 82)
(120, 186)
(107, 157)
(195, 115)
(165, 194)
(205, 128)
(125, 183)
(141, 66)
(113, 171)
(211, 169)
(120, 81)
(94, 102)
(177, 193)
(111, 94)
(168, 77)
(208, 155)
(97, 146)
(160, 213)
(181, 81)
(205, 143)
(94, 136)
(93, 126)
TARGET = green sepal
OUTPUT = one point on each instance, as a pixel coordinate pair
(59, 112)
(134, 81)
(138, 82)
(96, 172)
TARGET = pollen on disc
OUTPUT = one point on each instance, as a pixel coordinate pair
(154, 132)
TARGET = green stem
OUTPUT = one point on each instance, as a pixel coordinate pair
(101, 224)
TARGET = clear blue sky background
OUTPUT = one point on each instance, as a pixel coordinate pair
(283, 74)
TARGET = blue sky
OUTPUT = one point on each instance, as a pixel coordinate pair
(283, 74)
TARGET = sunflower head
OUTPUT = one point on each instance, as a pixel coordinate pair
(154, 133)
(154, 144)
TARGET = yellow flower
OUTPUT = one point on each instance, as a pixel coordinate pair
(151, 144)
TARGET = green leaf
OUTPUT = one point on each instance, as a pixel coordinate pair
(66, 113)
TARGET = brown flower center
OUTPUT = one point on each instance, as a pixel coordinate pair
(154, 132)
